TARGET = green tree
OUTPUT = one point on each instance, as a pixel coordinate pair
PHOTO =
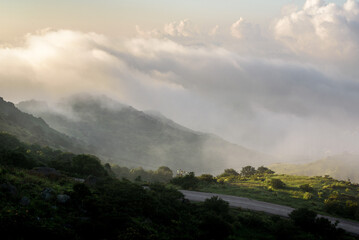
(88, 165)
(188, 181)
(229, 172)
(263, 170)
(163, 174)
(207, 178)
(248, 171)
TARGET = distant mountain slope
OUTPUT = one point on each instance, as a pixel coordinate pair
(33, 130)
(124, 135)
(342, 167)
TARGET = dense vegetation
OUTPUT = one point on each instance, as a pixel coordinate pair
(48, 203)
(34, 130)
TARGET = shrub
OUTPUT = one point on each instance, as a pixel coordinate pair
(88, 165)
(207, 178)
(306, 188)
(307, 196)
(277, 183)
(303, 218)
(217, 205)
(332, 206)
(186, 182)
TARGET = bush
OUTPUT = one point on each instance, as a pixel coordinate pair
(303, 218)
(186, 182)
(333, 206)
(306, 188)
(88, 165)
(213, 227)
(207, 178)
(217, 205)
(307, 196)
(277, 183)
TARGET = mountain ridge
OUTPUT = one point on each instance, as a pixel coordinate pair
(123, 135)
(34, 130)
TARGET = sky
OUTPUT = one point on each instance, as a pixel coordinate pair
(279, 76)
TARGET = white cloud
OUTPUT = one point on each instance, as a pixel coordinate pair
(322, 30)
(274, 104)
(214, 31)
(183, 28)
(242, 29)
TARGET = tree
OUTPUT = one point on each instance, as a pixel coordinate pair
(248, 171)
(8, 141)
(207, 178)
(88, 165)
(186, 182)
(229, 172)
(264, 170)
(163, 174)
(303, 218)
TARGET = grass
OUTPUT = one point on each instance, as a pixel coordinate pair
(291, 195)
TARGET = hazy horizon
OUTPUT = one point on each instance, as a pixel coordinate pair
(279, 77)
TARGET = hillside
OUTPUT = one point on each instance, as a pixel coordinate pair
(344, 166)
(48, 194)
(325, 195)
(125, 136)
(34, 130)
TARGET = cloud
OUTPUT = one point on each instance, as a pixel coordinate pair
(321, 30)
(243, 29)
(214, 31)
(183, 28)
(270, 104)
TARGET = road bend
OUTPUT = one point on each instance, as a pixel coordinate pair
(271, 208)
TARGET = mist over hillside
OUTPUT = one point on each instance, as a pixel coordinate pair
(343, 166)
(123, 135)
(34, 130)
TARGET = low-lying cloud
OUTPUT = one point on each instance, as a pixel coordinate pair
(287, 104)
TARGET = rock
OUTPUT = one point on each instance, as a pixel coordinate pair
(25, 201)
(80, 180)
(9, 189)
(63, 198)
(91, 180)
(47, 193)
(46, 172)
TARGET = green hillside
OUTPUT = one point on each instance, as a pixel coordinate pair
(321, 194)
(123, 135)
(33, 130)
(47, 203)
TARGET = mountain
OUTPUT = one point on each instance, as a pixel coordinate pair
(343, 166)
(123, 135)
(33, 130)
